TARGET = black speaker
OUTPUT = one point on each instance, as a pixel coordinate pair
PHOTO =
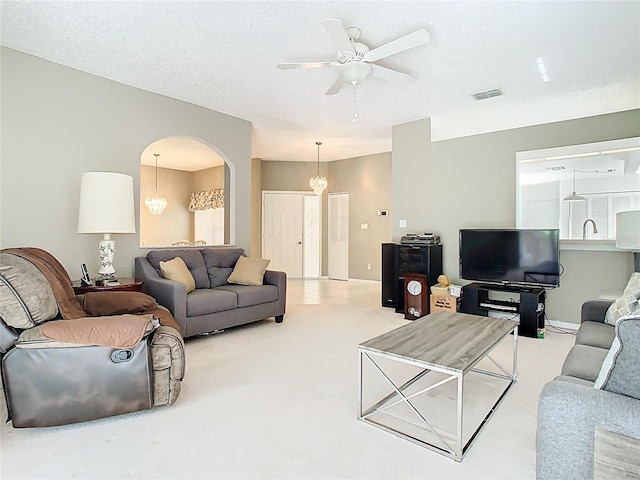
(388, 274)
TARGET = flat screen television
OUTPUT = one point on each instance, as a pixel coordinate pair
(516, 256)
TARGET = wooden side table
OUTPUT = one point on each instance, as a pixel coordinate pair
(126, 285)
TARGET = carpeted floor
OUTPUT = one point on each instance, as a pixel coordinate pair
(280, 401)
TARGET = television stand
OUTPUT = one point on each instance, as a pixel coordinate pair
(477, 299)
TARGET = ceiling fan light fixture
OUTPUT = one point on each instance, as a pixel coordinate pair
(354, 72)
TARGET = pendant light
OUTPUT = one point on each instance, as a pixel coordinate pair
(156, 204)
(574, 197)
(318, 182)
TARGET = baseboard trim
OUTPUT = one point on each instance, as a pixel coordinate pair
(565, 325)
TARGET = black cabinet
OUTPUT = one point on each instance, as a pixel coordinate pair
(401, 258)
(477, 300)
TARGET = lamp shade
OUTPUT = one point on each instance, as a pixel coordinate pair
(106, 203)
(628, 230)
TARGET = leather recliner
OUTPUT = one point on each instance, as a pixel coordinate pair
(63, 362)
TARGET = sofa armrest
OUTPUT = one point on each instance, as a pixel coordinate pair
(171, 295)
(279, 279)
(594, 310)
(568, 415)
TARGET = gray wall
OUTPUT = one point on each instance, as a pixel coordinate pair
(366, 179)
(470, 182)
(57, 122)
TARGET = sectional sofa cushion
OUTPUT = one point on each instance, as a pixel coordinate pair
(584, 361)
(620, 372)
(628, 303)
(249, 271)
(176, 270)
(595, 334)
(192, 258)
(219, 263)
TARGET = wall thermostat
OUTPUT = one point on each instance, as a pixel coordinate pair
(382, 213)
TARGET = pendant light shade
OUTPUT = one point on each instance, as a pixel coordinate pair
(574, 197)
(318, 182)
(156, 203)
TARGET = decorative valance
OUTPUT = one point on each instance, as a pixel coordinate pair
(208, 199)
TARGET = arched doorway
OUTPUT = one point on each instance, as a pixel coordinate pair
(197, 183)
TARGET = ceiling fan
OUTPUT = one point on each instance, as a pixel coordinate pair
(354, 59)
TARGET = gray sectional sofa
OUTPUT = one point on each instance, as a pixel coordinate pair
(215, 304)
(572, 413)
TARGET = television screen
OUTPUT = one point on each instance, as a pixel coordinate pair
(529, 257)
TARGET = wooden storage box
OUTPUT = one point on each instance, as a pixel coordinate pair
(447, 303)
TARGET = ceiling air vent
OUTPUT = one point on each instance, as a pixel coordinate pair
(556, 168)
(496, 92)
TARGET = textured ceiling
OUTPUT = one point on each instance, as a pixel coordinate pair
(223, 55)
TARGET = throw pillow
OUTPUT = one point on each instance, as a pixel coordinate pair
(176, 270)
(249, 271)
(620, 372)
(628, 303)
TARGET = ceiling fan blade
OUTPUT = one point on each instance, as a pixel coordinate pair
(290, 66)
(415, 39)
(336, 30)
(387, 73)
(336, 87)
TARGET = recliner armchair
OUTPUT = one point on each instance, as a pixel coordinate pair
(62, 364)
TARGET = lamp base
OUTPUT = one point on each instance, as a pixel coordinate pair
(104, 278)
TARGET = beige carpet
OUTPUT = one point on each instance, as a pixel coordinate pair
(280, 401)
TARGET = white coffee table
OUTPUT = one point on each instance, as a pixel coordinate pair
(450, 344)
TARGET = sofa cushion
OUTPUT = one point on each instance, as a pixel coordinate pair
(220, 263)
(628, 303)
(584, 361)
(249, 295)
(620, 372)
(210, 300)
(26, 298)
(249, 271)
(596, 334)
(193, 259)
(176, 270)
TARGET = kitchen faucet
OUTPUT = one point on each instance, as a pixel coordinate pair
(584, 228)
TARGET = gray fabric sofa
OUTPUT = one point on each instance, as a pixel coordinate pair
(571, 411)
(214, 304)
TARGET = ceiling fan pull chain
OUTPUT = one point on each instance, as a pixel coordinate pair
(355, 102)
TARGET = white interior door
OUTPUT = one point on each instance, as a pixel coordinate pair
(282, 222)
(338, 236)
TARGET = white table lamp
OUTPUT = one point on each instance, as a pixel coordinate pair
(106, 207)
(628, 234)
